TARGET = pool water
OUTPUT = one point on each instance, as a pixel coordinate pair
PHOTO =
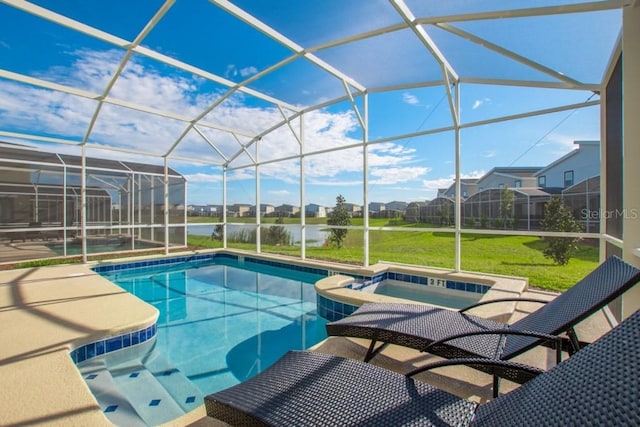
(219, 324)
(443, 297)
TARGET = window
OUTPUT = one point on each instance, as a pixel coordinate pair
(500, 185)
(542, 181)
(568, 179)
(518, 184)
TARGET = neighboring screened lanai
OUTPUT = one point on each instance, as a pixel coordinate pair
(42, 197)
(276, 104)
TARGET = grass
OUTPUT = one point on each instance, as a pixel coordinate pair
(506, 255)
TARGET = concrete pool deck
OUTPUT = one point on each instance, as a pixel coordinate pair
(45, 312)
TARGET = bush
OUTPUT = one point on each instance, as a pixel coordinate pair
(471, 222)
(339, 216)
(558, 217)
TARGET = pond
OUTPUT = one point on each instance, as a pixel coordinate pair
(316, 235)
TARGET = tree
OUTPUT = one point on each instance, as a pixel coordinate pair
(557, 217)
(507, 197)
(339, 216)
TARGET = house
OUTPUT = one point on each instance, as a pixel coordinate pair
(203, 210)
(353, 209)
(315, 211)
(576, 166)
(508, 177)
(265, 210)
(238, 210)
(377, 209)
(396, 208)
(286, 211)
(468, 187)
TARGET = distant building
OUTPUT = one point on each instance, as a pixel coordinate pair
(572, 168)
(468, 187)
(315, 211)
(286, 210)
(395, 209)
(203, 210)
(508, 177)
(353, 209)
(376, 209)
(265, 210)
(239, 210)
(574, 177)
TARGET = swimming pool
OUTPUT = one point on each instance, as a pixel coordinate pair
(222, 320)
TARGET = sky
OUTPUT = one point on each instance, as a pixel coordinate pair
(203, 35)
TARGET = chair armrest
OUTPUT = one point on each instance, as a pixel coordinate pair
(516, 372)
(526, 372)
(516, 299)
(555, 339)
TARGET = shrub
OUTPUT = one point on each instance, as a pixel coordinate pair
(558, 217)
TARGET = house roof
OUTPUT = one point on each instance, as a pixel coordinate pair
(567, 156)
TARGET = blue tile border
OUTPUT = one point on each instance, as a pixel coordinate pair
(363, 282)
(296, 267)
(333, 310)
(207, 258)
(161, 261)
(111, 344)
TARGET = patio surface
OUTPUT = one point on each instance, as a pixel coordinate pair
(45, 312)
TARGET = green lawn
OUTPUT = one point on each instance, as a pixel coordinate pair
(508, 255)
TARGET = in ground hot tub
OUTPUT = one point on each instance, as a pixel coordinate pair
(340, 295)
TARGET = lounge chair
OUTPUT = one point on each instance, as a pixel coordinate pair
(456, 334)
(596, 386)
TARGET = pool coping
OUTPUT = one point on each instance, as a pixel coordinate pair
(338, 288)
(47, 312)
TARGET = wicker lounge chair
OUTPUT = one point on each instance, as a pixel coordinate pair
(456, 334)
(596, 386)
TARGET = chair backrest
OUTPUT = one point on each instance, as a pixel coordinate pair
(599, 385)
(604, 284)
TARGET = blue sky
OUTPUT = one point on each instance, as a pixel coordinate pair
(203, 35)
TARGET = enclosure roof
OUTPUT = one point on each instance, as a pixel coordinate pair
(32, 160)
(172, 79)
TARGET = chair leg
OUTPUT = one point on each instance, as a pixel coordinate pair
(372, 351)
(575, 342)
(496, 386)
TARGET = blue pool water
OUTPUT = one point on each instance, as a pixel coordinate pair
(220, 323)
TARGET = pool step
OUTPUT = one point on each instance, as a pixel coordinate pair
(133, 395)
(183, 391)
(112, 401)
(151, 400)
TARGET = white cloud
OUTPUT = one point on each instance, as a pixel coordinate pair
(479, 102)
(248, 71)
(410, 99)
(472, 175)
(435, 184)
(203, 177)
(489, 154)
(388, 176)
(39, 111)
